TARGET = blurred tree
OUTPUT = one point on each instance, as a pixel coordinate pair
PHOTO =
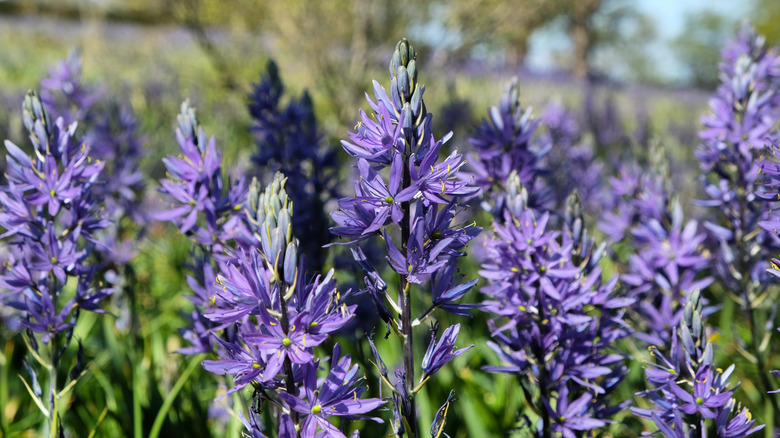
(618, 38)
(201, 15)
(500, 25)
(580, 15)
(590, 25)
(699, 45)
(765, 16)
(338, 40)
(332, 41)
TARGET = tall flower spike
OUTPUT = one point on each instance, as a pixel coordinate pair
(64, 93)
(49, 211)
(503, 145)
(548, 305)
(571, 163)
(196, 189)
(736, 134)
(409, 197)
(689, 384)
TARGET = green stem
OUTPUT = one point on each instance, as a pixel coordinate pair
(406, 305)
(8, 351)
(53, 418)
(137, 412)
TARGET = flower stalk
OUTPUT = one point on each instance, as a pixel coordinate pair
(416, 207)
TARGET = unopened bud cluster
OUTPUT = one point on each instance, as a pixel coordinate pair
(269, 213)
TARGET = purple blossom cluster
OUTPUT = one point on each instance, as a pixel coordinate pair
(267, 314)
(736, 133)
(64, 93)
(668, 264)
(571, 159)
(554, 320)
(204, 209)
(289, 141)
(50, 214)
(604, 121)
(692, 395)
(278, 325)
(261, 312)
(504, 143)
(667, 258)
(195, 188)
(280, 316)
(111, 130)
(409, 197)
(738, 130)
(636, 195)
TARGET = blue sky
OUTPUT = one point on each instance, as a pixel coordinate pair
(669, 19)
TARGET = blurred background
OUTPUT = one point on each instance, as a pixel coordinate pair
(212, 50)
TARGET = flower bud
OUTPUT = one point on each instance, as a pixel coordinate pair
(290, 262)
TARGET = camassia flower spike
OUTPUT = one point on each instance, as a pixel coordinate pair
(408, 196)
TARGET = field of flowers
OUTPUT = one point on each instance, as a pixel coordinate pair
(603, 266)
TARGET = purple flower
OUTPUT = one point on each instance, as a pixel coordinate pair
(740, 425)
(382, 202)
(423, 257)
(542, 325)
(447, 290)
(437, 182)
(208, 211)
(572, 416)
(375, 140)
(735, 136)
(195, 186)
(245, 288)
(439, 353)
(704, 398)
(64, 93)
(338, 395)
(245, 364)
(296, 342)
(663, 371)
(571, 164)
(503, 143)
(51, 255)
